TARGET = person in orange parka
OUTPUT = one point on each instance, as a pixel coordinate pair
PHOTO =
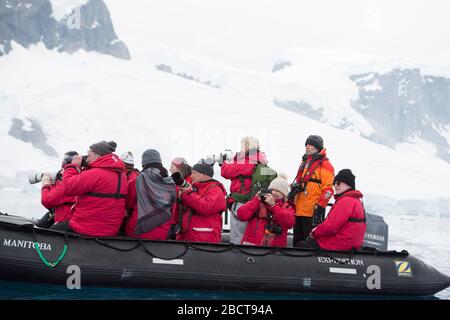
(268, 220)
(314, 186)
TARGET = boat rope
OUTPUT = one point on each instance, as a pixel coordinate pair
(313, 253)
(212, 251)
(263, 254)
(186, 248)
(116, 248)
(61, 256)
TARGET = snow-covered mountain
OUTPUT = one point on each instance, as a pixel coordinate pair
(192, 105)
(67, 25)
(389, 101)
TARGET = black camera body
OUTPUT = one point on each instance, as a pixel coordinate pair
(274, 228)
(179, 181)
(84, 162)
(263, 194)
(295, 188)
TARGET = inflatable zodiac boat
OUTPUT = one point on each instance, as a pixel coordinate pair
(32, 254)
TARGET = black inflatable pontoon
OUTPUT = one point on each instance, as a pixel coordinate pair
(127, 262)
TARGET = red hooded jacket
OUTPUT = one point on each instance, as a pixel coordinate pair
(337, 232)
(175, 210)
(242, 165)
(53, 197)
(283, 214)
(96, 214)
(158, 233)
(132, 174)
(202, 214)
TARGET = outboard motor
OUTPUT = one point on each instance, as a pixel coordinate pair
(377, 232)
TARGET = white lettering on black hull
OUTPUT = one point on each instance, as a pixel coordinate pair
(25, 244)
(351, 262)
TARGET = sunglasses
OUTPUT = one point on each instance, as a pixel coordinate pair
(337, 183)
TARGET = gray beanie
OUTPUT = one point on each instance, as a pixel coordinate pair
(102, 148)
(151, 156)
(204, 166)
(315, 141)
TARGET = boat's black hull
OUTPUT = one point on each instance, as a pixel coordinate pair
(129, 263)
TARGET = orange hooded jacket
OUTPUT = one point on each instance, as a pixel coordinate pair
(319, 188)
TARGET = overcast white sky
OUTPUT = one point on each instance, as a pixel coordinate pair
(253, 32)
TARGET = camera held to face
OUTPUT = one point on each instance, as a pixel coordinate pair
(263, 193)
(84, 162)
(179, 180)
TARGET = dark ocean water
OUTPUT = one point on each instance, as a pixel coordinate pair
(27, 291)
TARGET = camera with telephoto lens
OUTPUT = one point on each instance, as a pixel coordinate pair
(179, 181)
(274, 228)
(36, 177)
(227, 155)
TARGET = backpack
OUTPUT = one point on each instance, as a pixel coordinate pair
(262, 176)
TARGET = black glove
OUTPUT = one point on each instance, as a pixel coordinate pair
(319, 215)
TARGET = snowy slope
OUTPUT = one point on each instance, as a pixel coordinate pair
(85, 97)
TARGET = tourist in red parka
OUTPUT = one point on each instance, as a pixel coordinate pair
(53, 197)
(268, 220)
(178, 166)
(345, 225)
(154, 221)
(203, 204)
(239, 171)
(100, 189)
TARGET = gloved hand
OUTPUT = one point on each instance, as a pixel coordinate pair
(318, 216)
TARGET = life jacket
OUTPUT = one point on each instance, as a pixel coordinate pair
(311, 166)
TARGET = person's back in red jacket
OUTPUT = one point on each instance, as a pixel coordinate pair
(154, 175)
(345, 225)
(100, 189)
(202, 205)
(268, 220)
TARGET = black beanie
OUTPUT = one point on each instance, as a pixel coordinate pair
(346, 176)
(68, 157)
(315, 141)
(204, 166)
(102, 148)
